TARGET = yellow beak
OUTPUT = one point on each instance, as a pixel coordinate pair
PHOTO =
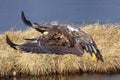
(94, 57)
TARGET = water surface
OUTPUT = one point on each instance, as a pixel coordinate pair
(64, 11)
(70, 77)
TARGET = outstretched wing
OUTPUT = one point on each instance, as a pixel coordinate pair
(38, 27)
(87, 43)
(41, 46)
(33, 46)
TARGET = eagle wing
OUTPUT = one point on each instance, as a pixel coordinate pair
(41, 46)
(38, 27)
(87, 43)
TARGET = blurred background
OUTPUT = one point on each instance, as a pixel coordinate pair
(63, 11)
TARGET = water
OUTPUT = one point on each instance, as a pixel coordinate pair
(64, 11)
(69, 77)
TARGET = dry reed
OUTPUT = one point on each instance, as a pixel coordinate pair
(13, 62)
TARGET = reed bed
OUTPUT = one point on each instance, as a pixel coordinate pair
(16, 62)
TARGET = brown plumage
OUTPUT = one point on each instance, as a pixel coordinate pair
(59, 39)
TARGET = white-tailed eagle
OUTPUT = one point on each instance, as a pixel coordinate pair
(58, 39)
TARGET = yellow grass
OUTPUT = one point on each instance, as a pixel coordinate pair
(16, 62)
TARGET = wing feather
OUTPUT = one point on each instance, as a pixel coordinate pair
(31, 47)
(87, 43)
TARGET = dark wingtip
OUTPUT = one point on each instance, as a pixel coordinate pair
(102, 59)
(26, 22)
(100, 56)
(10, 43)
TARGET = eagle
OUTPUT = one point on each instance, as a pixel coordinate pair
(58, 39)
